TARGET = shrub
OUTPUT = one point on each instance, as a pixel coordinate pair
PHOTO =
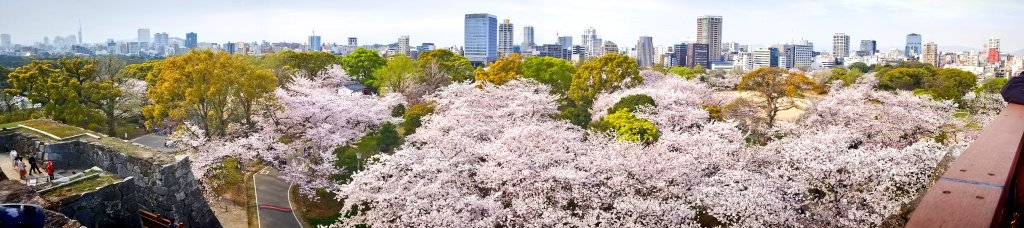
(631, 103)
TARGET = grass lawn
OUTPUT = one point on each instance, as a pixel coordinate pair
(80, 187)
(53, 127)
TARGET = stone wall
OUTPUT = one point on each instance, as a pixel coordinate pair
(114, 205)
(164, 185)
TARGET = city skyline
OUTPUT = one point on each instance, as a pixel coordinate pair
(440, 22)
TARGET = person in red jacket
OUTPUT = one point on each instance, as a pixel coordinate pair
(49, 169)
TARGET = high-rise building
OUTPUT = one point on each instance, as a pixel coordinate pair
(481, 39)
(591, 42)
(709, 31)
(314, 43)
(803, 55)
(353, 41)
(766, 57)
(698, 54)
(609, 47)
(930, 54)
(160, 42)
(528, 44)
(645, 51)
(403, 45)
(229, 47)
(840, 46)
(679, 52)
(566, 42)
(505, 33)
(867, 47)
(79, 31)
(744, 61)
(993, 48)
(554, 50)
(913, 45)
(144, 37)
(5, 40)
(191, 40)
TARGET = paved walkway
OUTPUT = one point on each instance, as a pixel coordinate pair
(154, 141)
(274, 207)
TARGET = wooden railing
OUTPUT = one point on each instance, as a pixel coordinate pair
(150, 220)
(984, 187)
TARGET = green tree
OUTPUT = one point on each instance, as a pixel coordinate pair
(361, 64)
(776, 88)
(607, 73)
(992, 86)
(846, 76)
(7, 99)
(455, 66)
(632, 102)
(388, 137)
(398, 75)
(310, 64)
(628, 127)
(698, 69)
(950, 84)
(414, 115)
(553, 72)
(682, 71)
(863, 67)
(68, 91)
(902, 78)
(208, 89)
(505, 69)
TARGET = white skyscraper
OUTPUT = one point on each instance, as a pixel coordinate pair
(505, 31)
(144, 37)
(528, 43)
(645, 51)
(709, 31)
(841, 46)
(5, 40)
(591, 43)
(403, 45)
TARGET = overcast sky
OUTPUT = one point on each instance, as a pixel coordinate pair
(966, 23)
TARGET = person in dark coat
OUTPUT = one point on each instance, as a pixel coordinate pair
(33, 163)
(1013, 92)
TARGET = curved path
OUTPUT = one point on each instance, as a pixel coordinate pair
(273, 205)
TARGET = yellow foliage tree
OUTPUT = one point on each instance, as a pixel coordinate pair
(776, 88)
(501, 71)
(208, 89)
(609, 73)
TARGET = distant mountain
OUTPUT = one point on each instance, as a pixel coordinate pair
(955, 48)
(1019, 52)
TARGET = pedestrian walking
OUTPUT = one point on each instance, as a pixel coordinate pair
(14, 156)
(49, 169)
(21, 168)
(34, 166)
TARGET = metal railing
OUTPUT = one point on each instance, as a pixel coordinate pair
(983, 187)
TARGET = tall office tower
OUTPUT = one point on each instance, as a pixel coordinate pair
(993, 50)
(314, 43)
(913, 45)
(144, 37)
(481, 39)
(867, 48)
(353, 41)
(229, 47)
(505, 32)
(803, 55)
(840, 46)
(930, 54)
(566, 42)
(5, 40)
(191, 40)
(645, 51)
(79, 31)
(609, 47)
(698, 54)
(528, 44)
(553, 50)
(679, 54)
(766, 57)
(403, 45)
(709, 31)
(160, 42)
(591, 42)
